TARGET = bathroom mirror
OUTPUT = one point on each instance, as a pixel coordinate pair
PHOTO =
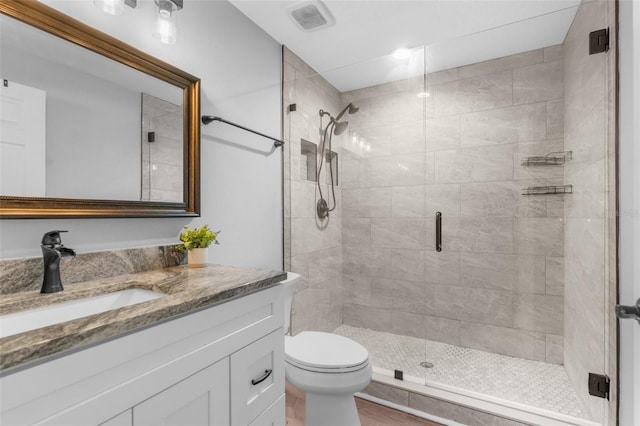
(92, 127)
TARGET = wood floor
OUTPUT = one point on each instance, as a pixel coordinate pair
(371, 414)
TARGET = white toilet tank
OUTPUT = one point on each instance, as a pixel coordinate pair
(289, 286)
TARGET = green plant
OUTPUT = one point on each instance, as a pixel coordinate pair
(197, 238)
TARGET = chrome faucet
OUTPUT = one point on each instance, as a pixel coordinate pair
(52, 252)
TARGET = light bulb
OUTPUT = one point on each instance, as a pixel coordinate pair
(402, 53)
(112, 7)
(166, 28)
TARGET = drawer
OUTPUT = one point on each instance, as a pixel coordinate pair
(274, 415)
(257, 373)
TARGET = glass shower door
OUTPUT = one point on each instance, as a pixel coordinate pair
(523, 179)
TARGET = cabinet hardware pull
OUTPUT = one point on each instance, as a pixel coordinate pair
(438, 231)
(261, 379)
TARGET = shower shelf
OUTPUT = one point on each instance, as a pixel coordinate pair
(544, 190)
(551, 159)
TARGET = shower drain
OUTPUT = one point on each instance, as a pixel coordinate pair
(426, 364)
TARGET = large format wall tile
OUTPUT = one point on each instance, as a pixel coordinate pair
(367, 202)
(398, 233)
(408, 324)
(356, 289)
(555, 349)
(443, 330)
(400, 295)
(473, 94)
(356, 232)
(366, 317)
(505, 125)
(554, 276)
(408, 201)
(539, 312)
(444, 198)
(555, 119)
(442, 267)
(501, 64)
(531, 274)
(306, 237)
(442, 133)
(502, 340)
(474, 305)
(500, 199)
(553, 53)
(395, 170)
(408, 264)
(488, 270)
(407, 138)
(366, 261)
(537, 83)
(491, 163)
(539, 236)
(493, 235)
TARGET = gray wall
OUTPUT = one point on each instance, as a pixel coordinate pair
(498, 283)
(240, 68)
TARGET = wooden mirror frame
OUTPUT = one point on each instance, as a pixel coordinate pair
(54, 22)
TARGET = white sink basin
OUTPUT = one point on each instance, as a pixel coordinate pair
(19, 322)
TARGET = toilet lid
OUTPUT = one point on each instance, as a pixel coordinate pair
(326, 351)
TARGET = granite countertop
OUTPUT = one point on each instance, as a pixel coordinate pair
(187, 289)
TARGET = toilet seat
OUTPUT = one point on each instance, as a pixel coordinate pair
(325, 353)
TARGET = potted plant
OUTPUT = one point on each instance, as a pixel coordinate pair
(196, 242)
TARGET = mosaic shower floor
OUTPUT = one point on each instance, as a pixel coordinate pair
(533, 383)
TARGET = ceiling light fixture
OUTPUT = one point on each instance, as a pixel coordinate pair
(423, 95)
(402, 53)
(112, 7)
(166, 27)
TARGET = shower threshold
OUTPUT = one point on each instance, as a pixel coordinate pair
(528, 391)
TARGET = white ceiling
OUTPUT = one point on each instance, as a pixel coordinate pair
(356, 51)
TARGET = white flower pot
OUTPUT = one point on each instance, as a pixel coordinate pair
(198, 257)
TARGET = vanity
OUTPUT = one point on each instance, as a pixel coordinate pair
(207, 348)
(209, 351)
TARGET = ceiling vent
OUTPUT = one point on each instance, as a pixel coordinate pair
(311, 15)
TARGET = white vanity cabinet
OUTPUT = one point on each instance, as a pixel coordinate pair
(198, 400)
(223, 365)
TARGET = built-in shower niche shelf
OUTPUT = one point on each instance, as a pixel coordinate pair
(546, 190)
(551, 159)
(308, 155)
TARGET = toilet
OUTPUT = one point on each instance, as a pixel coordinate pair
(329, 368)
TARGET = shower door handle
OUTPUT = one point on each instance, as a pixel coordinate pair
(438, 231)
(633, 312)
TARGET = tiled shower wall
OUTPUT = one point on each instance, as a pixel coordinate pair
(590, 279)
(162, 159)
(312, 246)
(497, 285)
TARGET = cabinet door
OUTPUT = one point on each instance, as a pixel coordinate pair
(257, 377)
(200, 399)
(272, 416)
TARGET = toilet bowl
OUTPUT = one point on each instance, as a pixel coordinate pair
(329, 368)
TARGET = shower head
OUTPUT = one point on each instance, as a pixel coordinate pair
(340, 127)
(351, 108)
